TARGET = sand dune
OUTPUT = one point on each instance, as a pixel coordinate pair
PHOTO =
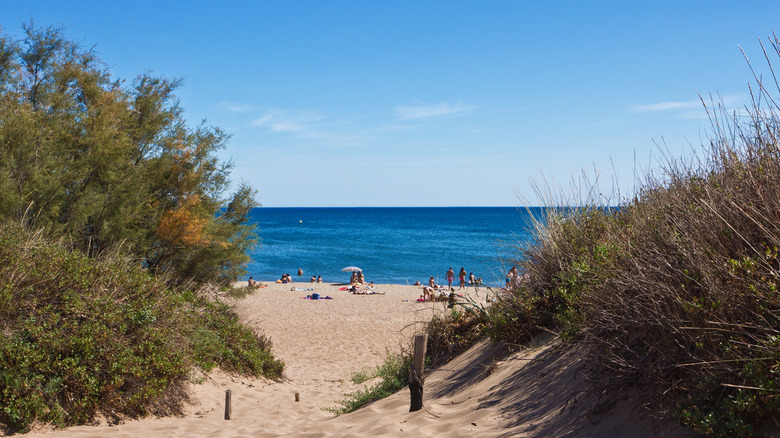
(535, 392)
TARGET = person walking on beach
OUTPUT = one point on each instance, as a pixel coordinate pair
(462, 278)
(450, 276)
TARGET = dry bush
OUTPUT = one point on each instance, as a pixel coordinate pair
(676, 289)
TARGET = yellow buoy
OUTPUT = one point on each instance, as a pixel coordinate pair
(300, 221)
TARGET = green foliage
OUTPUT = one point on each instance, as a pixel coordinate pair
(108, 163)
(83, 335)
(447, 337)
(394, 375)
(711, 412)
(573, 253)
(454, 333)
(238, 293)
(362, 375)
(101, 165)
(219, 339)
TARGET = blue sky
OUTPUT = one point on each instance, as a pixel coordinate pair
(430, 103)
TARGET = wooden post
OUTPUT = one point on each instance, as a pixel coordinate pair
(297, 397)
(228, 407)
(416, 378)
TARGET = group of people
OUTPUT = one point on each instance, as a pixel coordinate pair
(430, 294)
(436, 292)
(366, 290)
(357, 278)
(287, 278)
(450, 276)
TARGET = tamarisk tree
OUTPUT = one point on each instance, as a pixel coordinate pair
(106, 163)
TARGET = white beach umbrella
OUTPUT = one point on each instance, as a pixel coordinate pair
(352, 269)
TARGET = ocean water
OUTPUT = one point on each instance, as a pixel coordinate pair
(390, 245)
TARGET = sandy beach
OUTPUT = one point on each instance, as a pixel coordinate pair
(322, 342)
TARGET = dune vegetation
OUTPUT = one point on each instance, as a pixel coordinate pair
(113, 225)
(675, 292)
(83, 336)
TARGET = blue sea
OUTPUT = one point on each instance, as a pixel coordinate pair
(391, 245)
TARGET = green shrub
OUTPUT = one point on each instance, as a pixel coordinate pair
(81, 336)
(394, 375)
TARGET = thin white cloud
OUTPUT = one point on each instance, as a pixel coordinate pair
(691, 109)
(432, 110)
(312, 125)
(238, 107)
(667, 106)
(694, 109)
(279, 120)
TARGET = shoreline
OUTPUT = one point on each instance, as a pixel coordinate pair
(371, 325)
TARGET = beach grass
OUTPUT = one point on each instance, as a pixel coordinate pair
(393, 375)
(676, 290)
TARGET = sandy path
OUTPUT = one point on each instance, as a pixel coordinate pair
(321, 342)
(538, 391)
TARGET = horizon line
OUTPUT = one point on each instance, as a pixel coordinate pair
(397, 206)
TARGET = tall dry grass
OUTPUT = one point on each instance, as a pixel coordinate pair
(677, 289)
